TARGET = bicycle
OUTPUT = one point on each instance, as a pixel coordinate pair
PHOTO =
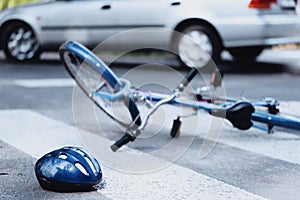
(105, 88)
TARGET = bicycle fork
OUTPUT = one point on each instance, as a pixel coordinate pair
(134, 130)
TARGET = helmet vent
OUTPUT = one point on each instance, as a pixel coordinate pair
(81, 168)
(90, 164)
(80, 151)
(63, 156)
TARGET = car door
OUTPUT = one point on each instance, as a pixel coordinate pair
(86, 21)
(135, 14)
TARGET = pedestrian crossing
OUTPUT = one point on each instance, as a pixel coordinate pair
(37, 134)
(44, 83)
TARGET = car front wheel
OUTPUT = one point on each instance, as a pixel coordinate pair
(198, 46)
(20, 43)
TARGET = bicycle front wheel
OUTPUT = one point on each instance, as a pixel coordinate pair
(93, 76)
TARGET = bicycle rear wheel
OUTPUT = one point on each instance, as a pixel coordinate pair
(93, 76)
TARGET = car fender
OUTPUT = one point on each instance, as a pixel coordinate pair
(30, 20)
(206, 18)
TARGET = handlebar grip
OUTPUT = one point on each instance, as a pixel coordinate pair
(122, 141)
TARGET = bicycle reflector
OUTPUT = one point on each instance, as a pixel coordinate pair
(261, 4)
(69, 169)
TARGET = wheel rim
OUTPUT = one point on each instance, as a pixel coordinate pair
(22, 44)
(89, 80)
(195, 49)
(85, 75)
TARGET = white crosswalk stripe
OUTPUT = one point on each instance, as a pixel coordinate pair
(42, 83)
(280, 145)
(36, 135)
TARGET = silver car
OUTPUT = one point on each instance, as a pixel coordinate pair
(244, 27)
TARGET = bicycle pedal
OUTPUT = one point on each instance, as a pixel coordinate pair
(176, 127)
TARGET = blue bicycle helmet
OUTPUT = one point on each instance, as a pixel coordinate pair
(69, 169)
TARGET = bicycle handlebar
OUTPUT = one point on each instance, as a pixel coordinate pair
(122, 141)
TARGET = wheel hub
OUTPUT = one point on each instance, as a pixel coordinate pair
(22, 44)
(195, 49)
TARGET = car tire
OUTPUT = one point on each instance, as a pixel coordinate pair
(245, 54)
(205, 48)
(20, 43)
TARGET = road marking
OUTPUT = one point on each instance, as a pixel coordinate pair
(44, 83)
(36, 135)
(279, 145)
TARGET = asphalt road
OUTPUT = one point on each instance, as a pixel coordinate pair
(242, 165)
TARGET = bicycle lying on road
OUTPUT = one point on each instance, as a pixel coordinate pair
(104, 88)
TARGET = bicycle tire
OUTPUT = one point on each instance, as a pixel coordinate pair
(85, 67)
(86, 56)
(276, 120)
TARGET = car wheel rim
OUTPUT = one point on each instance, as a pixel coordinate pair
(22, 44)
(195, 49)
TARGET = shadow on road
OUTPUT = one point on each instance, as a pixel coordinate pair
(39, 63)
(227, 66)
(252, 67)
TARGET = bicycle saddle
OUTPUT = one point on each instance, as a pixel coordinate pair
(239, 114)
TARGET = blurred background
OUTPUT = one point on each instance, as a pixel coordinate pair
(10, 3)
(35, 93)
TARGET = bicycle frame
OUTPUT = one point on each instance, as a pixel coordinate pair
(241, 114)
